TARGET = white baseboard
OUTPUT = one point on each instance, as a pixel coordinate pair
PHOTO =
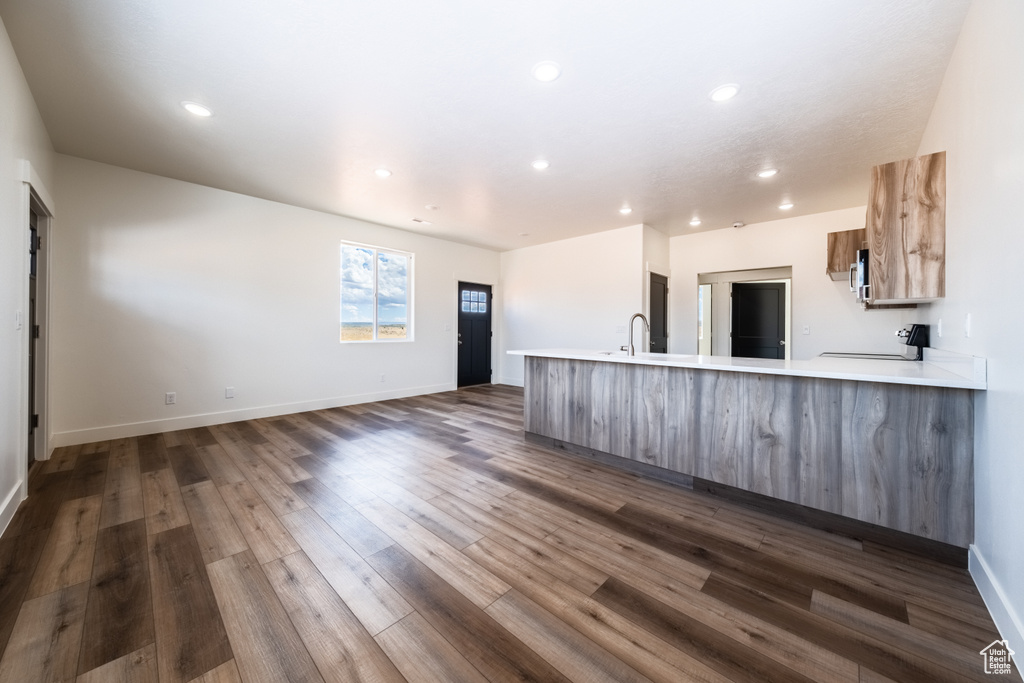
(1008, 622)
(73, 437)
(511, 381)
(10, 505)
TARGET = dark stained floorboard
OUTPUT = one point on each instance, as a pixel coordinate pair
(739, 663)
(119, 615)
(494, 651)
(18, 558)
(187, 465)
(89, 475)
(191, 639)
(152, 453)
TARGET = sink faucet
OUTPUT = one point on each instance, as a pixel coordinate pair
(647, 325)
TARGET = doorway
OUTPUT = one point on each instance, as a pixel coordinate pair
(759, 320)
(33, 326)
(715, 307)
(659, 313)
(38, 223)
(474, 341)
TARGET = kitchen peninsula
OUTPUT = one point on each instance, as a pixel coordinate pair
(890, 443)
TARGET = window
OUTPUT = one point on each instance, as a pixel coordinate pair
(376, 292)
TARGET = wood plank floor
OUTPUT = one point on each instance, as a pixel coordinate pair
(423, 539)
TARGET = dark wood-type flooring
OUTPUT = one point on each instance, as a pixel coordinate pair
(423, 539)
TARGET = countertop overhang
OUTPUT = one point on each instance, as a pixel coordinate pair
(938, 369)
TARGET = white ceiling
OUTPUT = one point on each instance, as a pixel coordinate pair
(310, 96)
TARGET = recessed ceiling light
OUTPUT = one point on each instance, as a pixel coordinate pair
(524, 234)
(695, 222)
(421, 221)
(541, 164)
(383, 173)
(625, 211)
(724, 92)
(767, 173)
(431, 207)
(197, 109)
(545, 72)
(786, 206)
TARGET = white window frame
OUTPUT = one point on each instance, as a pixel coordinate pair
(376, 283)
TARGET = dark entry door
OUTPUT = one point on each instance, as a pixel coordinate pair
(474, 334)
(759, 319)
(659, 313)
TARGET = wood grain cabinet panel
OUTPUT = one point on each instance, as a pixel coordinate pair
(906, 230)
(899, 456)
(842, 251)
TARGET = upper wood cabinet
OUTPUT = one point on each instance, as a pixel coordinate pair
(842, 251)
(906, 230)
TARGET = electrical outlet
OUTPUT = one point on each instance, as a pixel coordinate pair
(170, 398)
(229, 392)
(382, 377)
(807, 329)
(938, 327)
(967, 325)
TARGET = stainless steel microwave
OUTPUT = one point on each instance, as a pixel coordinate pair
(859, 279)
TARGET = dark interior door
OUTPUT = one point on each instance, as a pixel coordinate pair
(33, 331)
(474, 334)
(759, 319)
(659, 313)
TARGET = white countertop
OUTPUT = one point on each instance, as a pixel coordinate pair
(939, 369)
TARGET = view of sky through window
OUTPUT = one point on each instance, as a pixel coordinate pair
(392, 287)
(375, 290)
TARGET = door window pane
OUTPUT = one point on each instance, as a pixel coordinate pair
(473, 302)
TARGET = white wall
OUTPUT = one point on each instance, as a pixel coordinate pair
(655, 253)
(655, 260)
(161, 285)
(576, 293)
(977, 119)
(22, 138)
(828, 308)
